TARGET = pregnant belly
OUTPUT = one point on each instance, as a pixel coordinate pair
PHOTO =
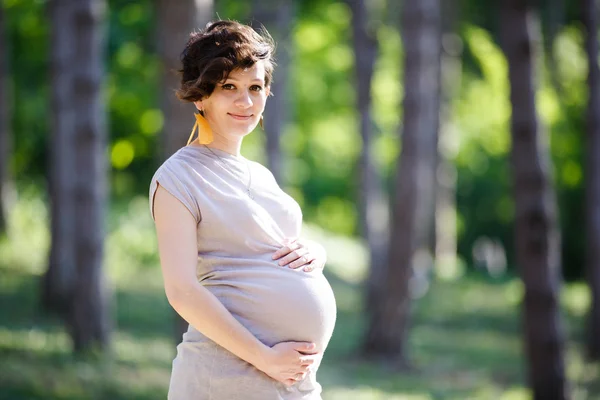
(277, 304)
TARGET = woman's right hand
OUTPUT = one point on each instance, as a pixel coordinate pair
(289, 362)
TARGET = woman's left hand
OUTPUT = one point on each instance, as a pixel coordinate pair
(301, 253)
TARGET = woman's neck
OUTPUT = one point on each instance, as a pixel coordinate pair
(231, 147)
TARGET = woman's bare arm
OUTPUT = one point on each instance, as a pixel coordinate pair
(178, 250)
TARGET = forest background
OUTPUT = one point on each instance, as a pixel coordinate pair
(465, 331)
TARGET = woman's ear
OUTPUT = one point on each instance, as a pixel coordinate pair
(268, 90)
(198, 104)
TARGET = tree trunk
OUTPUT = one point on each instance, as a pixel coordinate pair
(58, 279)
(413, 203)
(176, 20)
(373, 204)
(89, 320)
(5, 132)
(554, 11)
(278, 17)
(537, 236)
(592, 186)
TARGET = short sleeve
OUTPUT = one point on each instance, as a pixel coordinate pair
(173, 177)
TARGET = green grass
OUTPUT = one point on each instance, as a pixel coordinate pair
(465, 336)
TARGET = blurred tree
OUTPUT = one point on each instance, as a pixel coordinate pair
(278, 17)
(57, 282)
(537, 238)
(554, 16)
(373, 201)
(5, 132)
(592, 186)
(176, 20)
(415, 179)
(89, 317)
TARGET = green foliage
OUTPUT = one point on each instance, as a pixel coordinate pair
(568, 145)
(482, 114)
(321, 83)
(28, 49)
(132, 94)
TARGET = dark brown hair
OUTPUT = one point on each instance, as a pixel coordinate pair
(223, 46)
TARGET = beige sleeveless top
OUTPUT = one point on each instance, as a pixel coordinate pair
(237, 236)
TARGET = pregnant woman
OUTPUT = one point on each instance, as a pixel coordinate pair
(260, 311)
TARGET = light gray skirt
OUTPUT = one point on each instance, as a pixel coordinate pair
(203, 370)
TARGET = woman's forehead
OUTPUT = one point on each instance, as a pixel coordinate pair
(255, 72)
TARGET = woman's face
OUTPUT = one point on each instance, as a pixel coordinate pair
(235, 106)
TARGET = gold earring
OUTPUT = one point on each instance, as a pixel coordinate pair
(260, 122)
(205, 134)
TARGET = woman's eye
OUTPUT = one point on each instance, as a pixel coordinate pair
(256, 88)
(228, 86)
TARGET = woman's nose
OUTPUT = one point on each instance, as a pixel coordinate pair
(244, 99)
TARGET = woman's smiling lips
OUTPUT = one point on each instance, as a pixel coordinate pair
(240, 117)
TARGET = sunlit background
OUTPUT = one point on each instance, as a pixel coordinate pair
(465, 337)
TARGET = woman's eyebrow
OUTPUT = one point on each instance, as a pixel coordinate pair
(238, 80)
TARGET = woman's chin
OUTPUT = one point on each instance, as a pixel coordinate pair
(244, 131)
